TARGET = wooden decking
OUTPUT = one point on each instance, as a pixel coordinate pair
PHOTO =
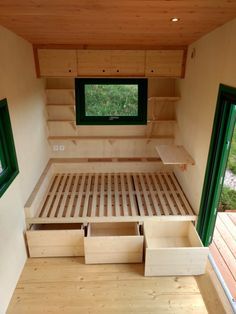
(67, 285)
(223, 248)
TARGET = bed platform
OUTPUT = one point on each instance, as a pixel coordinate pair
(84, 197)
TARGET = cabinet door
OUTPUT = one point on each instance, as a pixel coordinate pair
(57, 62)
(94, 62)
(128, 62)
(164, 63)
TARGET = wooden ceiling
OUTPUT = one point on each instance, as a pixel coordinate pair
(91, 23)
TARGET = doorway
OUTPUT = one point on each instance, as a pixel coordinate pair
(217, 218)
(223, 127)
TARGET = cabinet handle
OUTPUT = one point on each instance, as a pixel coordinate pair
(117, 70)
(103, 71)
(70, 70)
(152, 71)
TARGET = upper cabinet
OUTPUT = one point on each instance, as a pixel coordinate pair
(57, 62)
(128, 62)
(94, 62)
(164, 63)
(113, 63)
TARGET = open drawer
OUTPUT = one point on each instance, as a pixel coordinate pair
(118, 242)
(173, 248)
(48, 240)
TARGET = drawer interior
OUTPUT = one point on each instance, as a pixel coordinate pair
(113, 229)
(72, 226)
(171, 234)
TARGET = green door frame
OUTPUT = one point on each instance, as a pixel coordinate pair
(224, 121)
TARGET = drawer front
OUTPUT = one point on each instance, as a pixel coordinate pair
(113, 249)
(49, 243)
(175, 262)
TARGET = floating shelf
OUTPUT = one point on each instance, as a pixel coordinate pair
(164, 98)
(60, 105)
(174, 155)
(160, 121)
(78, 138)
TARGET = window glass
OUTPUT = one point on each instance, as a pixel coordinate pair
(8, 160)
(111, 100)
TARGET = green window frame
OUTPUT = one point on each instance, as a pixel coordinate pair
(224, 121)
(8, 157)
(83, 119)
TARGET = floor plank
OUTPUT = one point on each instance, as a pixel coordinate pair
(223, 248)
(67, 285)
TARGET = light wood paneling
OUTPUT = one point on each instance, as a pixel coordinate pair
(113, 23)
(94, 62)
(53, 285)
(164, 63)
(128, 62)
(54, 62)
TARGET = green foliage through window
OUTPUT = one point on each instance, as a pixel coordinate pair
(111, 100)
(232, 154)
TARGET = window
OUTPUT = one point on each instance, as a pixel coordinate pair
(111, 101)
(8, 161)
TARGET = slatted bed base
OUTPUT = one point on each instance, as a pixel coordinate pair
(104, 197)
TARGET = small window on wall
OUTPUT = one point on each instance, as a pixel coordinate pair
(111, 101)
(8, 160)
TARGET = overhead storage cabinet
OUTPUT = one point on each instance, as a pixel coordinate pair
(94, 62)
(57, 62)
(164, 63)
(110, 63)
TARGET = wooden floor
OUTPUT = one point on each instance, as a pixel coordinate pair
(223, 248)
(67, 285)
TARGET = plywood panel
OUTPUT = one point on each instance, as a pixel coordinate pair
(53, 62)
(94, 62)
(128, 62)
(164, 63)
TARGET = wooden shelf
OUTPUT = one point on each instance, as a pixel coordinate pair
(174, 155)
(60, 105)
(164, 98)
(78, 138)
(160, 121)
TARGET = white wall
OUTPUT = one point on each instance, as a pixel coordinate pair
(214, 63)
(25, 95)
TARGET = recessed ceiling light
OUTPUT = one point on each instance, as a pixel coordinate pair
(174, 19)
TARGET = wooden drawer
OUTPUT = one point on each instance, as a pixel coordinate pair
(173, 248)
(55, 240)
(113, 243)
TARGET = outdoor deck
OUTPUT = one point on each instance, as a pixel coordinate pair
(223, 248)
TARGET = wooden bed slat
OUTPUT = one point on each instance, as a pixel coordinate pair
(114, 195)
(52, 195)
(78, 203)
(167, 194)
